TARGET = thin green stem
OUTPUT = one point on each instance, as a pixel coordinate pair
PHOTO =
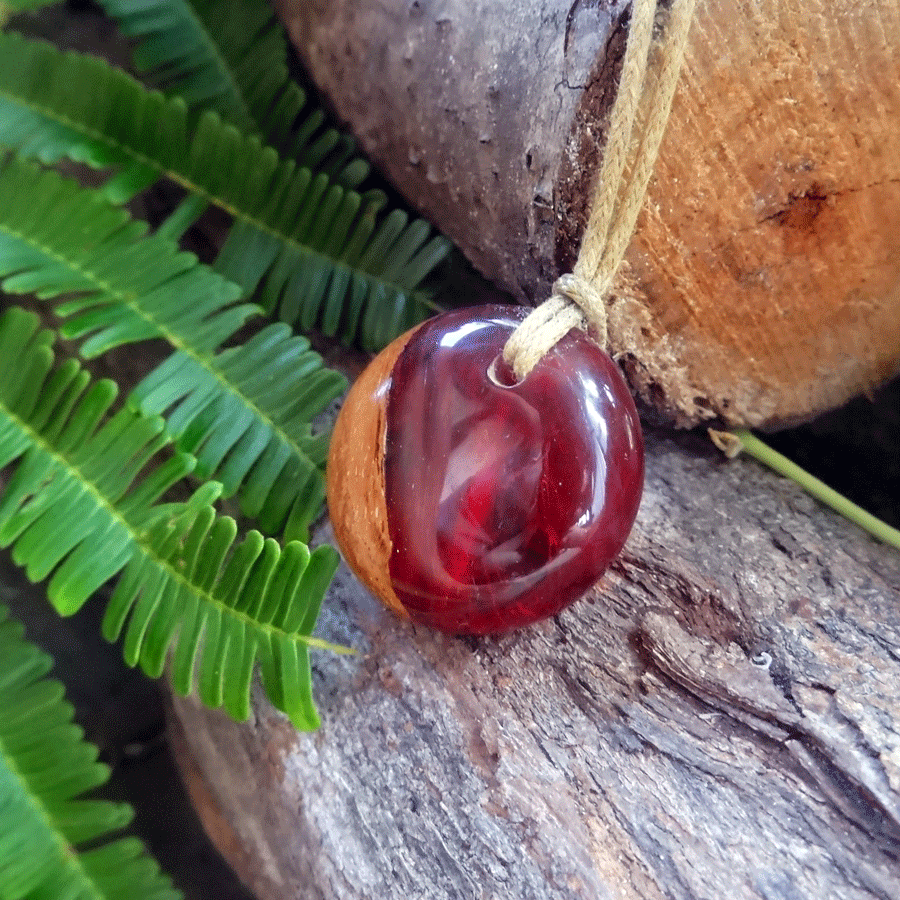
(818, 489)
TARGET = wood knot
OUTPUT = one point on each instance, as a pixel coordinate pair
(803, 211)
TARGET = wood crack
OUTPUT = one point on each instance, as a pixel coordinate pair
(846, 770)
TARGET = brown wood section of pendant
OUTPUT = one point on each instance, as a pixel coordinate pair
(355, 477)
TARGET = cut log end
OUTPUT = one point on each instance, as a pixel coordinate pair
(763, 283)
(768, 253)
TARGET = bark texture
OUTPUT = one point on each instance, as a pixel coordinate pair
(721, 718)
(763, 283)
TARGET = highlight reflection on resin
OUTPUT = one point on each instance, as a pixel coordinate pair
(474, 504)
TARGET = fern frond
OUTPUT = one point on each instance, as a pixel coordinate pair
(244, 412)
(222, 608)
(230, 56)
(75, 511)
(57, 238)
(53, 843)
(314, 244)
(254, 436)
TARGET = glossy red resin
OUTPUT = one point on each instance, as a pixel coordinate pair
(505, 503)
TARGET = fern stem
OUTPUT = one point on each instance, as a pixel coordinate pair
(765, 454)
(322, 644)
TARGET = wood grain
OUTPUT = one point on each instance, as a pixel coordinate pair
(355, 476)
(720, 719)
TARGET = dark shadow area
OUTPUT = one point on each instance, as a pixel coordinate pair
(855, 450)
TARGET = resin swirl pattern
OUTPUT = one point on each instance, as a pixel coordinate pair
(474, 504)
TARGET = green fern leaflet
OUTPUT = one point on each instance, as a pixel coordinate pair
(54, 844)
(317, 253)
(244, 412)
(82, 504)
(230, 56)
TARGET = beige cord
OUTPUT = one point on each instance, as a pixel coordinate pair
(637, 123)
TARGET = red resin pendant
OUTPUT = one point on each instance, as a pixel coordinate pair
(474, 504)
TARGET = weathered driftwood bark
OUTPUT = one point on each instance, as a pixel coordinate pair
(764, 279)
(722, 719)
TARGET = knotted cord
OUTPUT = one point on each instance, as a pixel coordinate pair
(637, 123)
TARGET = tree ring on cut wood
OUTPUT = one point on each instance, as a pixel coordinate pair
(763, 282)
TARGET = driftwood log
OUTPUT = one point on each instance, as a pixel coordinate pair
(763, 283)
(720, 719)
